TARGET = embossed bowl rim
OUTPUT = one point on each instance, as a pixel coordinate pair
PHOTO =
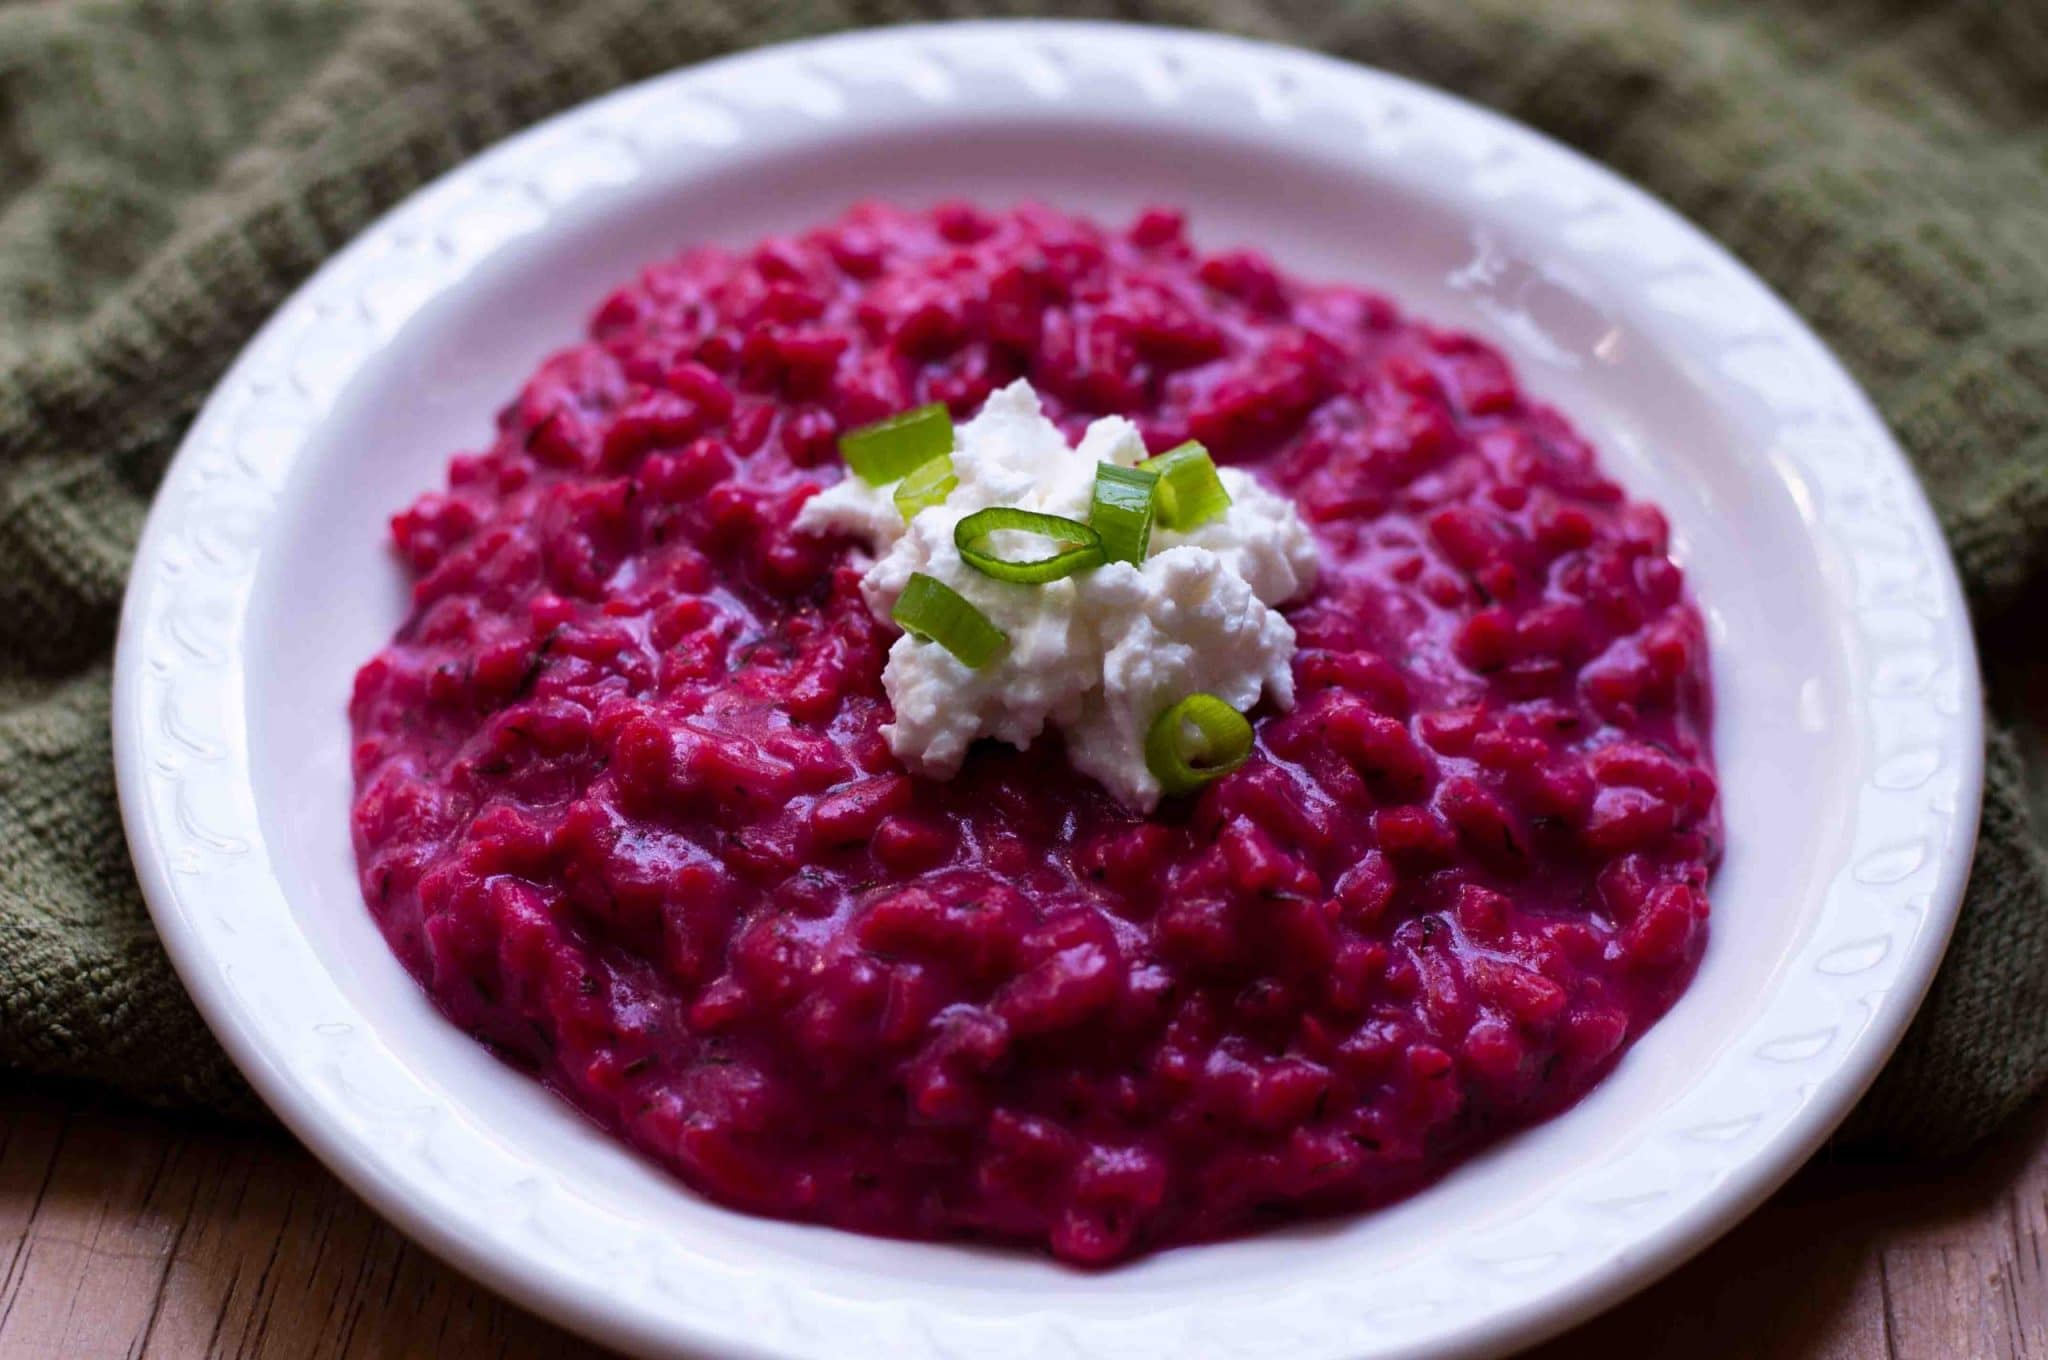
(1851, 737)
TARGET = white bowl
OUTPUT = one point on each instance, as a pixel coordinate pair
(1848, 735)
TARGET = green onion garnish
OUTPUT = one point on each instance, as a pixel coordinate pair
(1190, 492)
(889, 449)
(1194, 741)
(925, 486)
(930, 609)
(972, 533)
(1122, 512)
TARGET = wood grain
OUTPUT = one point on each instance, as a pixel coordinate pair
(128, 1233)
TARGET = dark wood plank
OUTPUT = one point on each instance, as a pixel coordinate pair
(1862, 1261)
(129, 1233)
(30, 1134)
(98, 1239)
(2027, 1224)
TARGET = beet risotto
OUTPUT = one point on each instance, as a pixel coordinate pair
(629, 809)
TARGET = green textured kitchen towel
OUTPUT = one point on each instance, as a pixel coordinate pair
(171, 169)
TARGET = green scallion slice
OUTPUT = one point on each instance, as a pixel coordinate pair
(926, 486)
(1122, 512)
(891, 449)
(1084, 548)
(1190, 492)
(931, 610)
(1194, 741)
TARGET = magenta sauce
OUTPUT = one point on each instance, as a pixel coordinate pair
(624, 809)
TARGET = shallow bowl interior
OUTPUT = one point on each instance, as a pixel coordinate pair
(334, 593)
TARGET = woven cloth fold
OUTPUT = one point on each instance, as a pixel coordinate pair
(171, 169)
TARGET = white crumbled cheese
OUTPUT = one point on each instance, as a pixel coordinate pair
(853, 507)
(1260, 538)
(1098, 654)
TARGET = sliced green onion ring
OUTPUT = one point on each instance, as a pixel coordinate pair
(1190, 492)
(1122, 512)
(925, 486)
(890, 449)
(1194, 741)
(933, 611)
(971, 537)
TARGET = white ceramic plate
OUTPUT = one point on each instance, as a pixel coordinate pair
(1848, 732)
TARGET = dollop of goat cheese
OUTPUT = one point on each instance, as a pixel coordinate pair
(1099, 654)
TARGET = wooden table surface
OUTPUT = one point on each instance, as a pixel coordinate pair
(131, 1233)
